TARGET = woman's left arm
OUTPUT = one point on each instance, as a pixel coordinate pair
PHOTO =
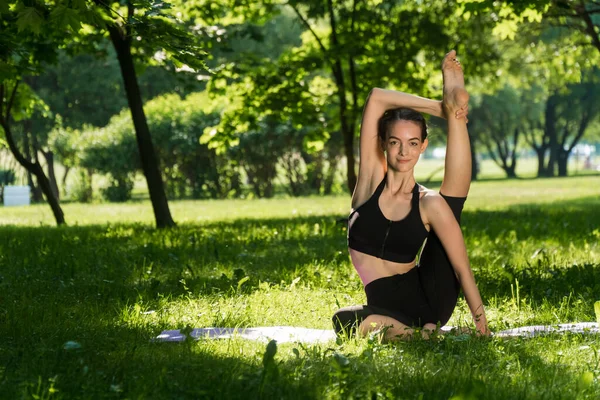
(441, 219)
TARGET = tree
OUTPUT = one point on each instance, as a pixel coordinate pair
(498, 118)
(541, 61)
(575, 111)
(578, 15)
(534, 104)
(22, 55)
(188, 167)
(359, 45)
(140, 19)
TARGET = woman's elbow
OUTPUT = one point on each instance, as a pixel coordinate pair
(374, 94)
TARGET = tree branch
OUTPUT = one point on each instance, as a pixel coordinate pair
(305, 22)
(130, 13)
(11, 100)
(1, 101)
(569, 25)
(503, 156)
(587, 116)
(591, 30)
(513, 161)
(491, 153)
(353, 71)
(5, 122)
(530, 135)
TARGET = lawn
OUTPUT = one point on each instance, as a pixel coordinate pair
(80, 304)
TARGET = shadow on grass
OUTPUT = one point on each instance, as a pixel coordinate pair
(550, 238)
(121, 362)
(69, 283)
(127, 262)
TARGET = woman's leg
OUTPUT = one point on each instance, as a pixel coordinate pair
(392, 329)
(437, 276)
(346, 321)
(457, 172)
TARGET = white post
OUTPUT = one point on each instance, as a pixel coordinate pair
(17, 195)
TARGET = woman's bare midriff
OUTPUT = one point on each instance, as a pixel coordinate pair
(370, 268)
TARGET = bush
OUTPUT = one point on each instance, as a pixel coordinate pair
(119, 190)
(7, 177)
(82, 189)
(188, 168)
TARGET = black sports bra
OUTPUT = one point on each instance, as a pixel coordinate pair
(372, 233)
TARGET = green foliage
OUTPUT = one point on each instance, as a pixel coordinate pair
(346, 50)
(259, 150)
(7, 177)
(111, 150)
(65, 21)
(64, 143)
(81, 191)
(119, 190)
(30, 18)
(189, 168)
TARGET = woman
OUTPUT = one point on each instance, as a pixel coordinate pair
(393, 215)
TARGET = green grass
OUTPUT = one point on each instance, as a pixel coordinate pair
(110, 283)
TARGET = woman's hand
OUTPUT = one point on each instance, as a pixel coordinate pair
(458, 114)
(462, 112)
(482, 327)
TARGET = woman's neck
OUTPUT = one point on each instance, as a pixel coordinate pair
(400, 182)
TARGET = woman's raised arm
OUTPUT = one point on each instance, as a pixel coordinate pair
(372, 160)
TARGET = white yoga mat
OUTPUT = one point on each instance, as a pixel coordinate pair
(283, 334)
(535, 330)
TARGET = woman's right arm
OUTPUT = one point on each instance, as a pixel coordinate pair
(394, 99)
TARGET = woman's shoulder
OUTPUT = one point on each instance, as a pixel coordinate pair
(426, 194)
(431, 201)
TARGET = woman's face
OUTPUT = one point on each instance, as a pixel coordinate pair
(404, 145)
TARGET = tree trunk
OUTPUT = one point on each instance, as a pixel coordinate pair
(64, 180)
(36, 191)
(33, 167)
(160, 205)
(550, 132)
(541, 156)
(90, 189)
(49, 156)
(48, 191)
(474, 161)
(590, 27)
(562, 162)
(346, 128)
(510, 171)
(329, 177)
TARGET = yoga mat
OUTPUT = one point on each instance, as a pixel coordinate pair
(535, 330)
(283, 334)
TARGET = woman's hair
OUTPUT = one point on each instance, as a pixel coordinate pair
(400, 114)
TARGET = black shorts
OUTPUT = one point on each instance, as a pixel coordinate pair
(425, 294)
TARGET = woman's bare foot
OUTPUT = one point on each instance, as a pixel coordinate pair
(456, 98)
(429, 330)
